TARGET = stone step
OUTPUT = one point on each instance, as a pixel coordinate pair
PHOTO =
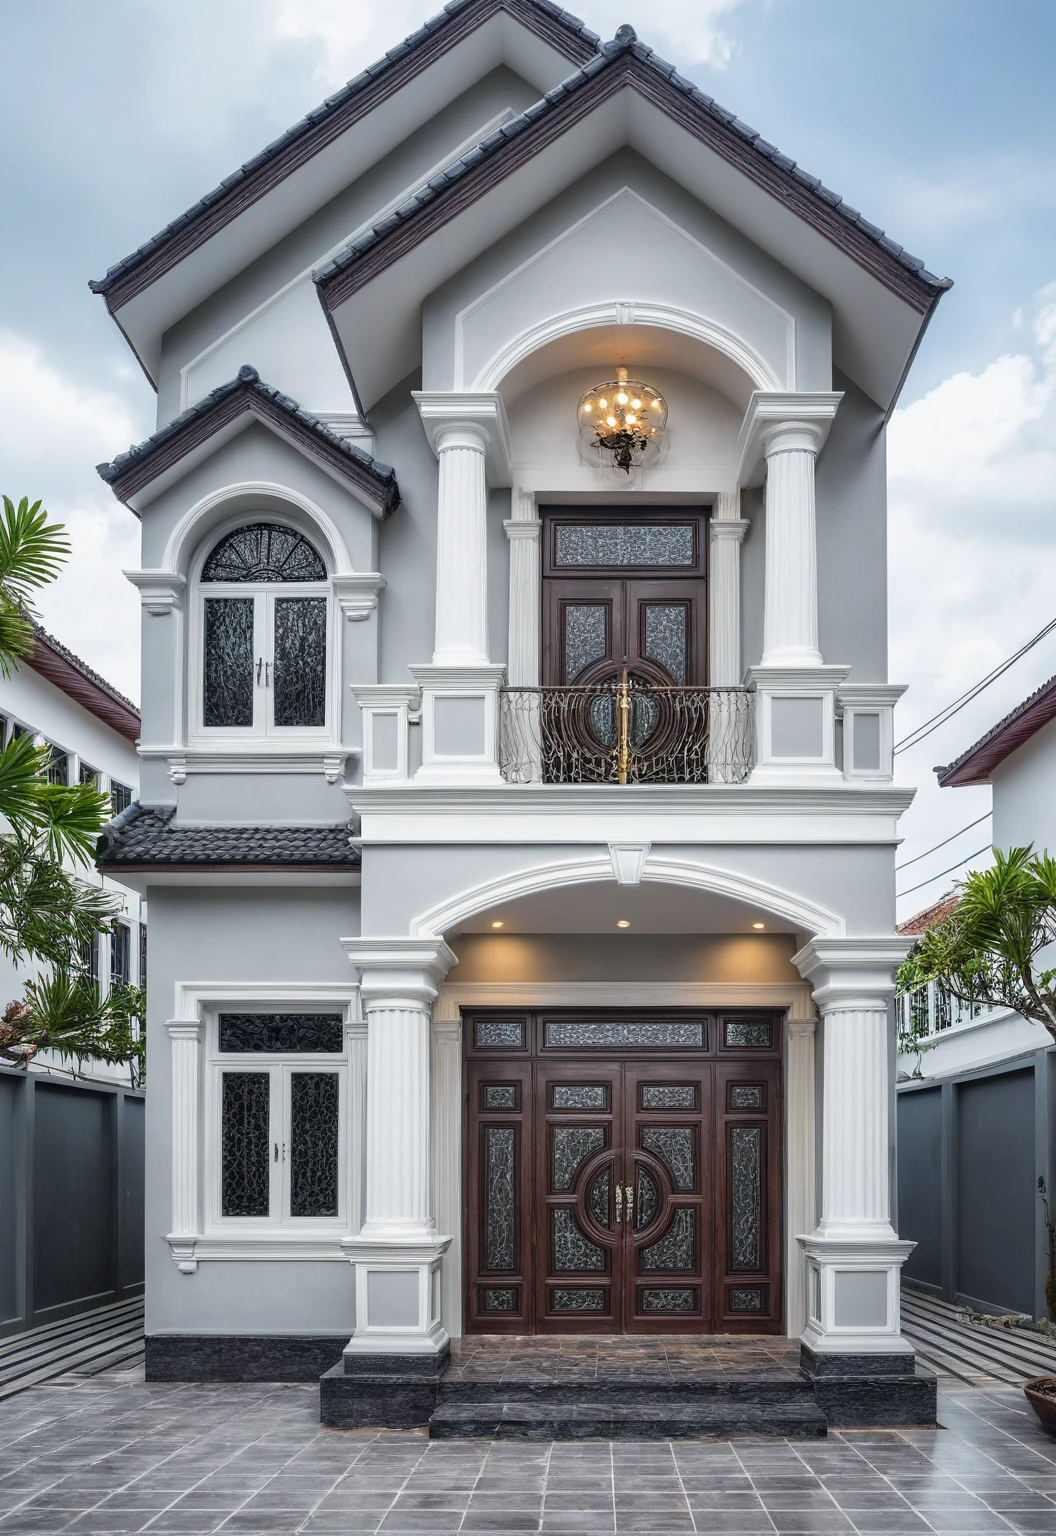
(626, 1390)
(706, 1420)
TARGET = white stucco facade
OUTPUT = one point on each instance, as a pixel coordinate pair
(474, 881)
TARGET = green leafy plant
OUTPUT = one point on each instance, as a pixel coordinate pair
(49, 914)
(987, 950)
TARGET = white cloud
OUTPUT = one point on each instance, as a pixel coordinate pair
(53, 431)
(223, 69)
(972, 479)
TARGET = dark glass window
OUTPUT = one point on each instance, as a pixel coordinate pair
(143, 955)
(228, 682)
(288, 1032)
(88, 775)
(89, 957)
(245, 1144)
(120, 797)
(120, 954)
(58, 767)
(264, 552)
(314, 1098)
(300, 661)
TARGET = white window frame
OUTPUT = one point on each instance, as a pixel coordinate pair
(264, 595)
(280, 1068)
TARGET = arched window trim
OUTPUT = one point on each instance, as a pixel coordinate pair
(255, 721)
(274, 565)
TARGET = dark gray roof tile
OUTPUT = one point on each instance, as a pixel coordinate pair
(148, 836)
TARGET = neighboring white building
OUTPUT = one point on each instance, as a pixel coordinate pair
(507, 816)
(92, 731)
(1017, 757)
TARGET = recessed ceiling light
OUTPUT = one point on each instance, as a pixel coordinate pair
(758, 925)
(497, 924)
(623, 922)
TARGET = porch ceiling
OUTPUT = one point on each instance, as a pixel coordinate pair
(649, 908)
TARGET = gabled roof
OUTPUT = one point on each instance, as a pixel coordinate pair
(976, 765)
(145, 837)
(549, 29)
(132, 471)
(79, 682)
(622, 61)
(931, 917)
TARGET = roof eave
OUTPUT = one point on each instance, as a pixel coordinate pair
(85, 691)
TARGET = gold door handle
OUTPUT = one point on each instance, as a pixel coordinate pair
(619, 1204)
(630, 1202)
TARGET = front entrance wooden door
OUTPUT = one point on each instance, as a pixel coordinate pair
(632, 1187)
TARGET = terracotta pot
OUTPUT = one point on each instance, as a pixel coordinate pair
(1042, 1403)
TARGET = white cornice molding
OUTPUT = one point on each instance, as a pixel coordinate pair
(480, 411)
(795, 996)
(357, 593)
(160, 592)
(870, 695)
(330, 761)
(632, 799)
(768, 410)
(799, 678)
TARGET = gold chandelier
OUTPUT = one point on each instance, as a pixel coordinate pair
(623, 418)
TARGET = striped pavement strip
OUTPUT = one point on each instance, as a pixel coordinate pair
(94, 1341)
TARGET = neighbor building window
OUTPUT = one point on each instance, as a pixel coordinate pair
(120, 954)
(264, 625)
(58, 767)
(88, 775)
(120, 797)
(279, 1083)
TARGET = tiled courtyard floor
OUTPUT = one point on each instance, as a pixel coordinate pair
(112, 1456)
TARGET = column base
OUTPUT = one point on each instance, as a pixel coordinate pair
(460, 724)
(397, 1297)
(853, 1294)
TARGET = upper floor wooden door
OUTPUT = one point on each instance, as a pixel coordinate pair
(624, 589)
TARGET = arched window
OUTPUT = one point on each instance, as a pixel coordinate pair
(264, 645)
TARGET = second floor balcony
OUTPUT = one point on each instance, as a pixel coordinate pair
(626, 731)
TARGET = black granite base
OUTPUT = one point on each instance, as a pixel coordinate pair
(887, 1402)
(240, 1357)
(397, 1365)
(817, 1365)
(359, 1400)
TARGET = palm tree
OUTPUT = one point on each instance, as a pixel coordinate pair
(49, 916)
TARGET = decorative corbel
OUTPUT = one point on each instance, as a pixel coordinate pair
(160, 592)
(357, 593)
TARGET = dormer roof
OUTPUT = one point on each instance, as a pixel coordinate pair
(159, 460)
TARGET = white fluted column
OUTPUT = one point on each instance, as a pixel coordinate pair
(398, 1251)
(186, 1039)
(461, 545)
(728, 529)
(790, 624)
(854, 1254)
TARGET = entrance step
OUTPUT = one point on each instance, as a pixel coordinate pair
(716, 1418)
(627, 1391)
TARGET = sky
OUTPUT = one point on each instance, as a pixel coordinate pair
(936, 118)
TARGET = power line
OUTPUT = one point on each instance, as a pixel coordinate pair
(966, 698)
(922, 883)
(935, 848)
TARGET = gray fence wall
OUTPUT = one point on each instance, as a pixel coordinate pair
(971, 1148)
(71, 1197)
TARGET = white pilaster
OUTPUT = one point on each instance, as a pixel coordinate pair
(356, 1035)
(447, 1155)
(790, 618)
(524, 529)
(186, 1087)
(854, 1253)
(800, 1194)
(398, 1251)
(461, 546)
(728, 529)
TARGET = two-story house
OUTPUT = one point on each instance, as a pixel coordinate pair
(516, 750)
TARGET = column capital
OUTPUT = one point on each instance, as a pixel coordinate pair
(408, 969)
(852, 974)
(732, 528)
(185, 1029)
(468, 420)
(777, 411)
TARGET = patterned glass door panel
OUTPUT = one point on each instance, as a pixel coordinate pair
(579, 1166)
(669, 1226)
(748, 1193)
(499, 1199)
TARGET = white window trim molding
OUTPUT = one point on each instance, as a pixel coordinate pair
(181, 760)
(189, 1242)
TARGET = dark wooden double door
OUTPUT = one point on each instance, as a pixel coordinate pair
(623, 1174)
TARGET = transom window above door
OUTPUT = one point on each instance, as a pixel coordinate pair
(263, 626)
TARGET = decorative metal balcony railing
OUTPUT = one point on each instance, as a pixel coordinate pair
(626, 732)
